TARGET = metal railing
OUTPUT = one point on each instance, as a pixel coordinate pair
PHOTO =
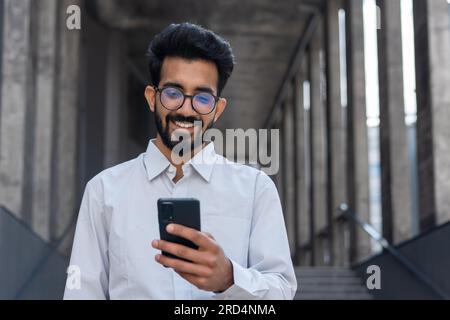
(405, 262)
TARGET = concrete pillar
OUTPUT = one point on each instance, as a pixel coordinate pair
(277, 178)
(94, 112)
(357, 162)
(309, 174)
(295, 170)
(281, 176)
(17, 96)
(65, 198)
(318, 146)
(337, 192)
(396, 192)
(432, 47)
(43, 126)
(288, 167)
(116, 87)
(301, 194)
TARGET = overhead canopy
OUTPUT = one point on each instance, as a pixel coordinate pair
(263, 34)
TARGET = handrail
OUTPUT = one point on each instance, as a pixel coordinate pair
(405, 262)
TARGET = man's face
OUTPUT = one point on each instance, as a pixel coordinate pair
(191, 77)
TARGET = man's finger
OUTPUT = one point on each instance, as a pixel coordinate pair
(181, 251)
(197, 237)
(183, 266)
(209, 235)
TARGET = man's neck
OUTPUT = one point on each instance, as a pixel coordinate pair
(168, 154)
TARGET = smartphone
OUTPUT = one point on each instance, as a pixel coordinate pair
(183, 211)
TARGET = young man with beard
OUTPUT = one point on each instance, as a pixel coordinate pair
(243, 247)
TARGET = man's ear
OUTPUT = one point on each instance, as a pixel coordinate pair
(150, 96)
(221, 105)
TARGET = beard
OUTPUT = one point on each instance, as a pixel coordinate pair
(163, 131)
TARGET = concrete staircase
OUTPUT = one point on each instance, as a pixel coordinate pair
(330, 283)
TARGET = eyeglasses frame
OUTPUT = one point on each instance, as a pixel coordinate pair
(216, 99)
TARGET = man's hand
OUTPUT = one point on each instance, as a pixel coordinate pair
(210, 269)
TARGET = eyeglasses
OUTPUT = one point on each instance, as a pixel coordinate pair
(173, 98)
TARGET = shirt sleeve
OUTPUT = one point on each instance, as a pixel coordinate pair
(270, 274)
(89, 259)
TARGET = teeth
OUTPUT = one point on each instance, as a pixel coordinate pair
(184, 124)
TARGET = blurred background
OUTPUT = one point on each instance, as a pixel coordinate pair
(359, 90)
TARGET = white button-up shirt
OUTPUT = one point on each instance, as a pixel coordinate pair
(118, 219)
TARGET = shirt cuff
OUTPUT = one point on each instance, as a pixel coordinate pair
(248, 284)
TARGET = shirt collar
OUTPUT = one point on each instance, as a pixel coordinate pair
(203, 162)
(156, 163)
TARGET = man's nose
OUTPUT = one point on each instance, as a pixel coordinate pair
(186, 109)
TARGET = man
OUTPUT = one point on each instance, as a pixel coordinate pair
(243, 248)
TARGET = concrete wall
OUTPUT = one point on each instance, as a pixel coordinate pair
(66, 112)
(40, 64)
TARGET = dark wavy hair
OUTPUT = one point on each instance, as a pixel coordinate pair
(192, 42)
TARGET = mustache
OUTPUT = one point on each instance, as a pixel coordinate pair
(181, 118)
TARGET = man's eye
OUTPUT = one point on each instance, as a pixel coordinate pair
(204, 99)
(172, 93)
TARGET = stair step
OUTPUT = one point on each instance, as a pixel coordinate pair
(326, 273)
(337, 296)
(326, 288)
(326, 276)
(323, 269)
(330, 283)
(328, 280)
(332, 290)
(303, 283)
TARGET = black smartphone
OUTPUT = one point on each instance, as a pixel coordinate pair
(183, 211)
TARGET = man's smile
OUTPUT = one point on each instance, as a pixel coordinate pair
(183, 124)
